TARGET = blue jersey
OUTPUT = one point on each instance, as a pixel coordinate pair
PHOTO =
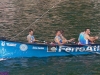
(82, 39)
(59, 38)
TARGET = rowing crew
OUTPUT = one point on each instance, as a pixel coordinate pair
(59, 39)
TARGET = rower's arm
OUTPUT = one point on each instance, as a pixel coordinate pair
(34, 40)
(29, 40)
(71, 40)
(63, 37)
(90, 38)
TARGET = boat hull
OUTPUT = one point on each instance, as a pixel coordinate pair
(11, 49)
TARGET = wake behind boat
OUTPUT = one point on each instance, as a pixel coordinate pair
(12, 49)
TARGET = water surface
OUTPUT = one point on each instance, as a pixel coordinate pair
(71, 65)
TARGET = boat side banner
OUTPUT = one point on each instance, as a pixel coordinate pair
(84, 48)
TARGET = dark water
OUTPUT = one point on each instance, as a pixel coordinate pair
(72, 65)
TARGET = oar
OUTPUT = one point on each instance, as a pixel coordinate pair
(41, 41)
(36, 40)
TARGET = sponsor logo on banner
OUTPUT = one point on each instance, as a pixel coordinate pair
(11, 44)
(2, 43)
(52, 49)
(23, 47)
(79, 49)
(39, 48)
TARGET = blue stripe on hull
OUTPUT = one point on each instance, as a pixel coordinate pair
(10, 49)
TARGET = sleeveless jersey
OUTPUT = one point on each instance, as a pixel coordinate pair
(31, 37)
(59, 38)
(82, 39)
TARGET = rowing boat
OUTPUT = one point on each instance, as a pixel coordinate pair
(12, 49)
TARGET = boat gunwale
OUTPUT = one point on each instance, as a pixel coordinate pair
(47, 44)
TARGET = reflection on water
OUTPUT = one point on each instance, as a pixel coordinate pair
(73, 65)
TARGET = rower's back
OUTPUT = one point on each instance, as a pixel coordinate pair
(82, 39)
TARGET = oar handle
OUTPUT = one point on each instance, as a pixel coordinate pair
(36, 40)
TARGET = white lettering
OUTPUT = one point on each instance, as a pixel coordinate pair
(96, 48)
(79, 49)
(38, 48)
(61, 48)
(73, 49)
(68, 49)
(10, 44)
(89, 48)
(82, 49)
(34, 48)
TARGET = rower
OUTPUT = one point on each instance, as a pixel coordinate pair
(30, 37)
(64, 39)
(60, 39)
(84, 37)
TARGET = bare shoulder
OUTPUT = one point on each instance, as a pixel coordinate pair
(28, 36)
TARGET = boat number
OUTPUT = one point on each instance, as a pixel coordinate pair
(23, 47)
